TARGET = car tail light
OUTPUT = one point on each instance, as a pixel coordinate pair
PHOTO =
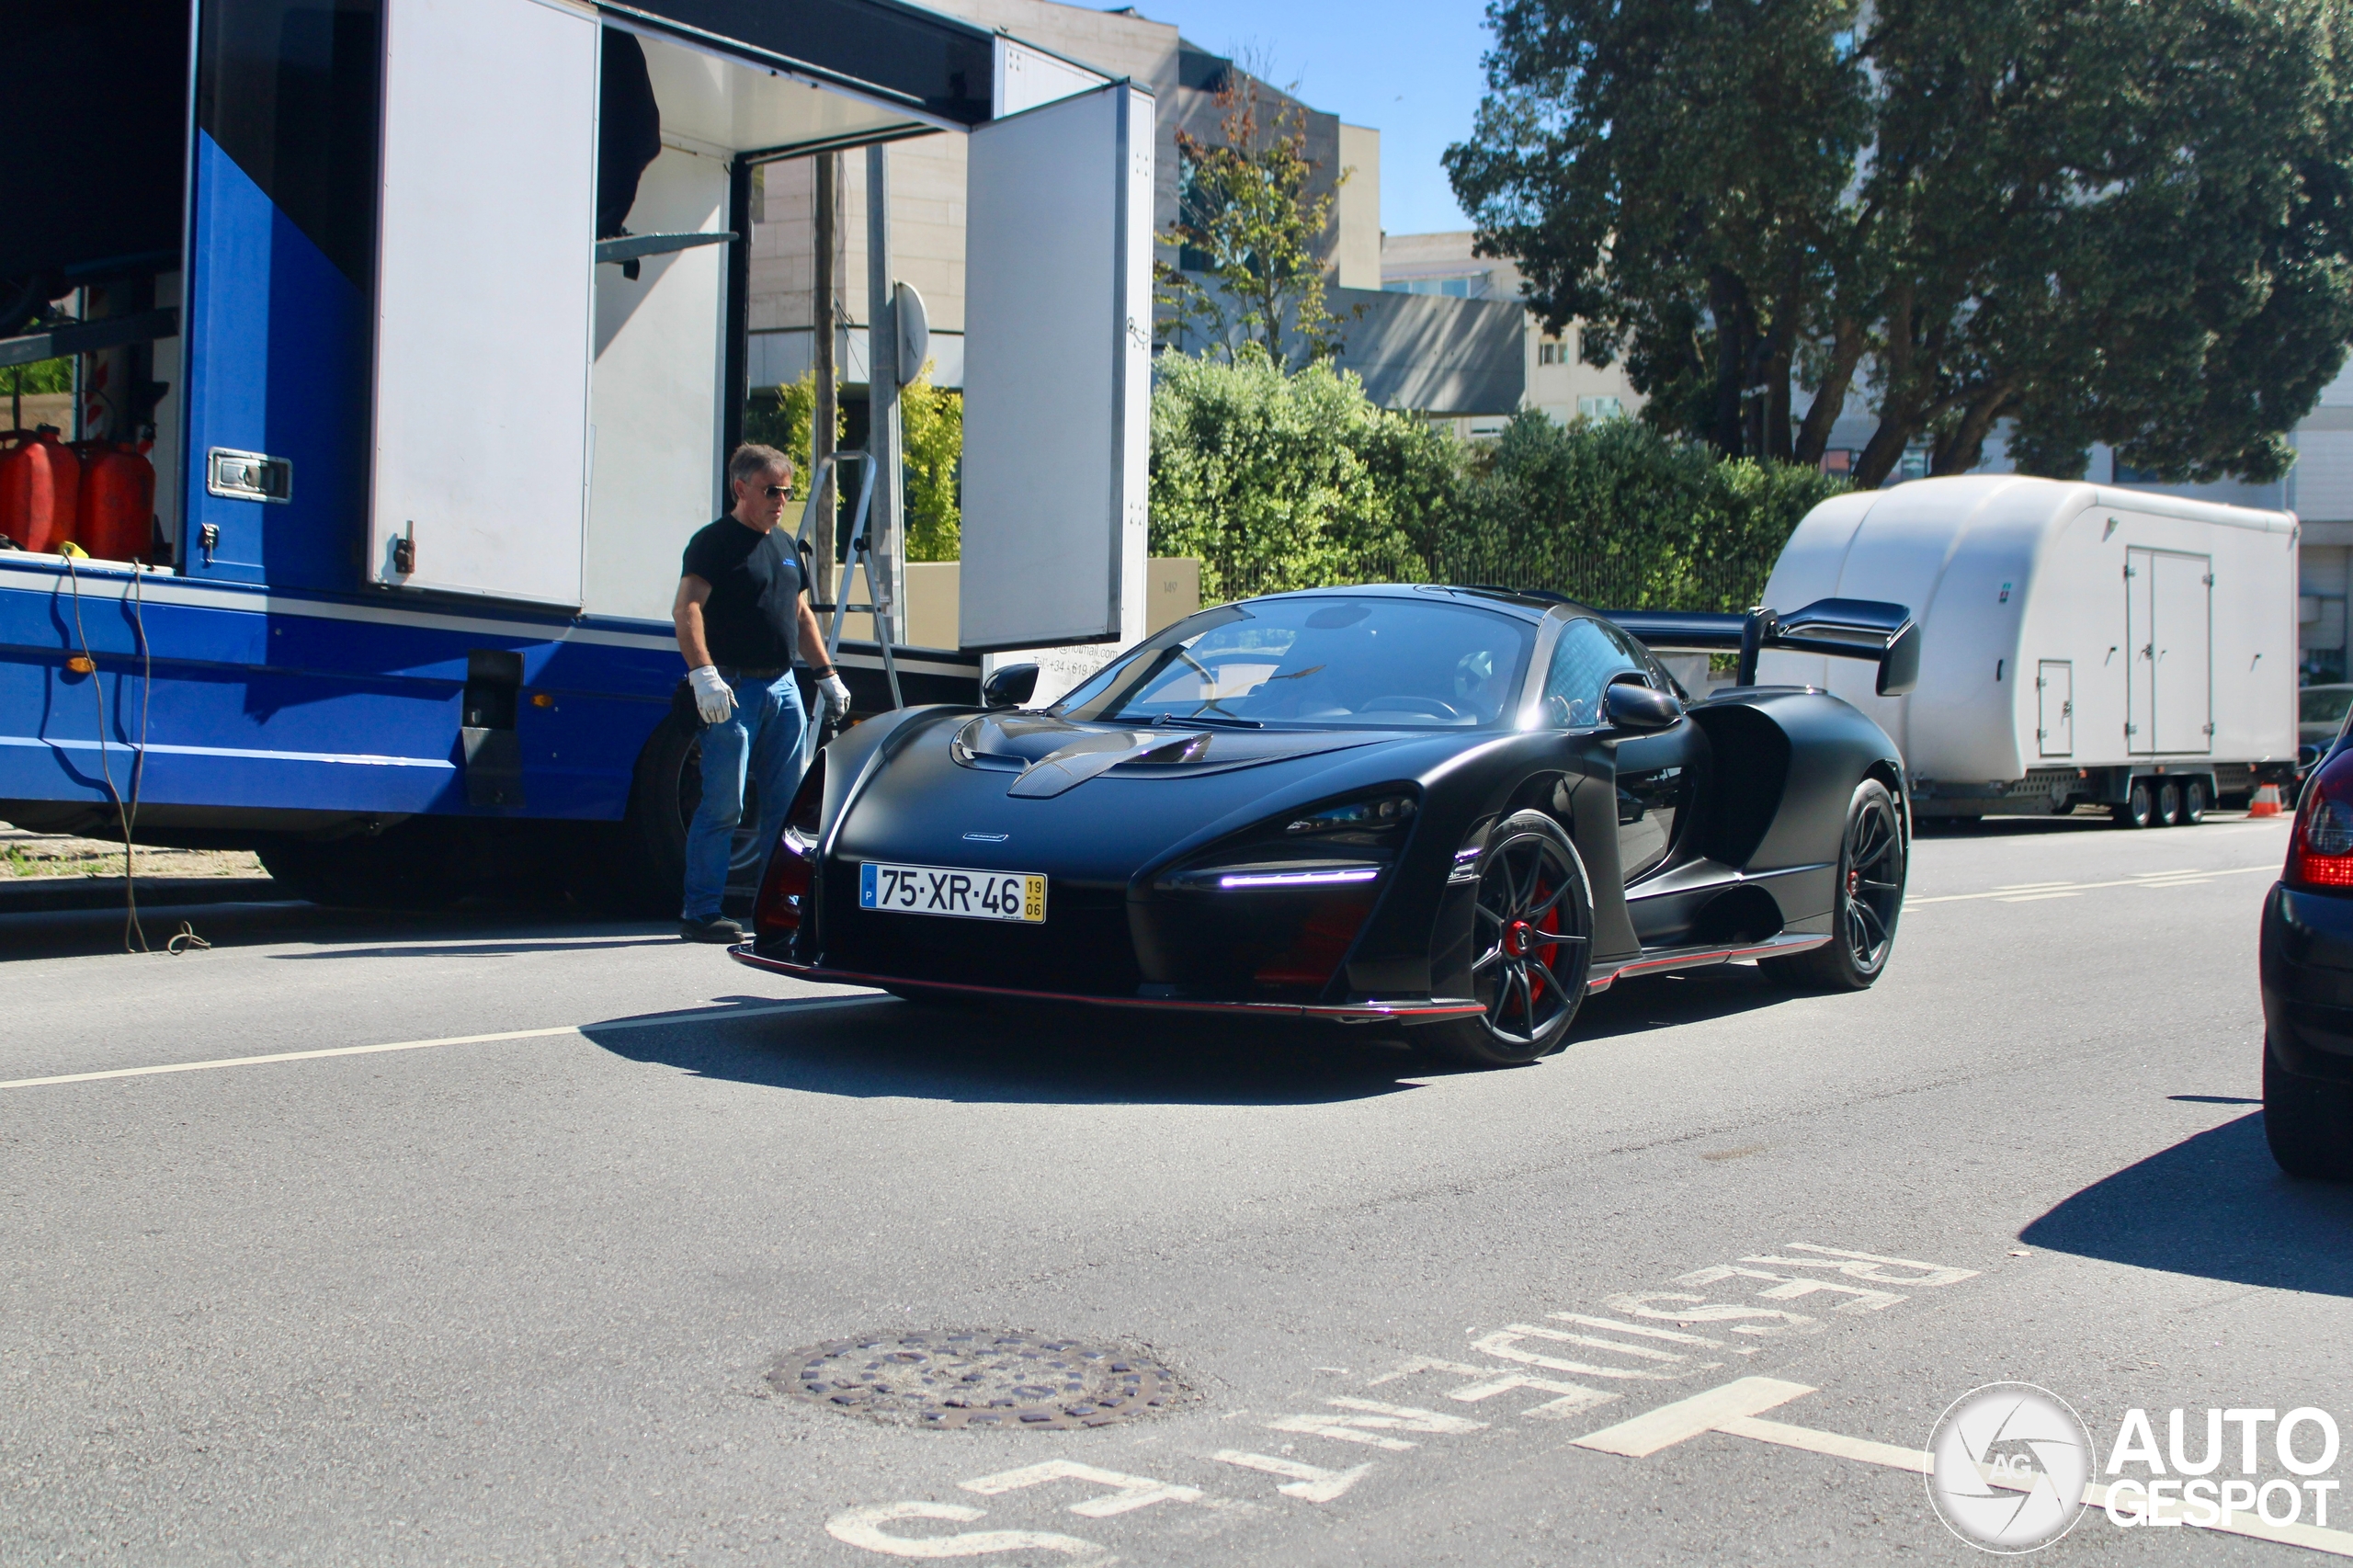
(2320, 854)
(792, 864)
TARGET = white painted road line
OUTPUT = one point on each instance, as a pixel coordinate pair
(662, 1021)
(2028, 892)
(1309, 1484)
(1733, 1409)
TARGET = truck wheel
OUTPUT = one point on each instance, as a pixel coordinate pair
(2193, 802)
(2308, 1122)
(2140, 807)
(2168, 803)
(1869, 897)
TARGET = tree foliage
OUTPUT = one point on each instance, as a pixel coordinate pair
(1246, 222)
(931, 443)
(2119, 220)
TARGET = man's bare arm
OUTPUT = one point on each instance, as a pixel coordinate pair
(686, 615)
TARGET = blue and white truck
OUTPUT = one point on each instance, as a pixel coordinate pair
(429, 431)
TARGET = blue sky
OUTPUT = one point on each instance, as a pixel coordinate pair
(1410, 71)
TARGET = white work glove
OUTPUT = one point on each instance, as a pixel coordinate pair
(715, 700)
(835, 692)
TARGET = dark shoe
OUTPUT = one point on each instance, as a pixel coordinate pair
(710, 928)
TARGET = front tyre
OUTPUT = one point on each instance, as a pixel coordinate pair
(1871, 864)
(2308, 1122)
(1534, 938)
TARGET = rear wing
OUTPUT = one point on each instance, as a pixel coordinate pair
(1847, 629)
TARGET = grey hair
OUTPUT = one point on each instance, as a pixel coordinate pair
(751, 459)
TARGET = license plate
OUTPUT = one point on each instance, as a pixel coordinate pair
(941, 889)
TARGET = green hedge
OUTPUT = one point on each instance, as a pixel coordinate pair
(1278, 481)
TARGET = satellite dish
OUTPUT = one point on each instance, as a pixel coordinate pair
(914, 332)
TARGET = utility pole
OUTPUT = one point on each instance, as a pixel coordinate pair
(884, 527)
(824, 319)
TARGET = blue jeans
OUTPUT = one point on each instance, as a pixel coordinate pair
(761, 740)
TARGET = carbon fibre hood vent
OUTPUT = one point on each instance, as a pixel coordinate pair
(1053, 755)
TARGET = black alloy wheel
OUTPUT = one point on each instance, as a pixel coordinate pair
(1533, 932)
(1869, 898)
(2139, 808)
(2193, 802)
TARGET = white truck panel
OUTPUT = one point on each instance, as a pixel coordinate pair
(486, 241)
(2019, 583)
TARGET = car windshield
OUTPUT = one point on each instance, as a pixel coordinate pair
(1329, 660)
(2325, 704)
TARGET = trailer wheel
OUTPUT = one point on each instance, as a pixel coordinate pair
(2168, 803)
(2139, 806)
(662, 803)
(2193, 802)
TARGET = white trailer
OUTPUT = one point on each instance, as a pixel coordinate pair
(2079, 644)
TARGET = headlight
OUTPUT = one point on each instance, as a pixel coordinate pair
(1382, 812)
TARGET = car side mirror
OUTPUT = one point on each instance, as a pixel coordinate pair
(1009, 687)
(1626, 705)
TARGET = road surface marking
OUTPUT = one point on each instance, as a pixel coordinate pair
(863, 1527)
(1309, 1484)
(1128, 1492)
(2026, 893)
(1733, 1408)
(662, 1021)
(1370, 1428)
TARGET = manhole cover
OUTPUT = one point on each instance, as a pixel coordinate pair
(980, 1378)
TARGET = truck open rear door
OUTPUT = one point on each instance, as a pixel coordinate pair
(485, 260)
(1058, 373)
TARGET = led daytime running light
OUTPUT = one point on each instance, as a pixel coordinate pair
(1321, 878)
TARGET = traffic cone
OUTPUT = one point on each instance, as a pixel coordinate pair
(2266, 802)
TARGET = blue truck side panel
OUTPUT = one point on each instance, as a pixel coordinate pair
(260, 699)
(277, 361)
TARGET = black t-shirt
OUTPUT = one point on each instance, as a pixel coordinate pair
(755, 605)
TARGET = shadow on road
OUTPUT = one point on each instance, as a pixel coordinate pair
(1021, 1055)
(481, 950)
(2216, 1206)
(1662, 1001)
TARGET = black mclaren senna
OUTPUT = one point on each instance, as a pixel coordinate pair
(1460, 810)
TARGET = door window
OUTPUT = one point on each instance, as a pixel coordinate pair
(1589, 654)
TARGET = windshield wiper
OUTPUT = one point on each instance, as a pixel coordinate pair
(1227, 720)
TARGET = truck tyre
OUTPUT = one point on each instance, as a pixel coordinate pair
(1867, 899)
(2308, 1122)
(661, 801)
(2194, 801)
(2139, 808)
(2168, 803)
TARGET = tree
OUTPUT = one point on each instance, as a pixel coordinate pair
(931, 443)
(1247, 220)
(2123, 220)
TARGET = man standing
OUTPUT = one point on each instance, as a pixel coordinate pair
(739, 610)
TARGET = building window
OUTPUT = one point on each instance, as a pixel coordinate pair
(1839, 461)
(1600, 408)
(1913, 464)
(1464, 286)
(1551, 351)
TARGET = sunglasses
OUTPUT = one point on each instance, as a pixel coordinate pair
(779, 491)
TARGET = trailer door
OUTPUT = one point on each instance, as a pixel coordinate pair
(1058, 373)
(485, 262)
(2140, 653)
(2182, 591)
(2054, 698)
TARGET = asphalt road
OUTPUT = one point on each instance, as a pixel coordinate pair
(514, 1300)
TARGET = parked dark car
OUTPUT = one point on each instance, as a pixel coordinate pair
(1455, 808)
(2307, 969)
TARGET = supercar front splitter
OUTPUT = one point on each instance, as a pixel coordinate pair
(1343, 1013)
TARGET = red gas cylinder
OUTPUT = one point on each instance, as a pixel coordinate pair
(39, 488)
(114, 517)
